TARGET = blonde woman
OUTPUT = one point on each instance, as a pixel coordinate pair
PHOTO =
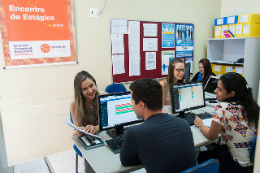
(84, 107)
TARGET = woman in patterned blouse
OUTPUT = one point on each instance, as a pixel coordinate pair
(235, 118)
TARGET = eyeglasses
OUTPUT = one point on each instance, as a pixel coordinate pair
(180, 70)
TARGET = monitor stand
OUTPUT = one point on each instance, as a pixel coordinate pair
(116, 131)
(186, 114)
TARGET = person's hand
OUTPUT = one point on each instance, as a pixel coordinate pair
(81, 128)
(91, 129)
(198, 122)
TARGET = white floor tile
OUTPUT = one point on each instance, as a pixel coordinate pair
(65, 166)
(80, 159)
(73, 153)
(59, 156)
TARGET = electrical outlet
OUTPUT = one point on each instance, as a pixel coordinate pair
(92, 12)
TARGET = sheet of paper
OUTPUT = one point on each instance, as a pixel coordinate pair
(34, 166)
(150, 44)
(134, 66)
(134, 39)
(223, 29)
(150, 30)
(117, 43)
(150, 60)
(232, 29)
(207, 122)
(217, 68)
(243, 18)
(231, 19)
(239, 70)
(166, 56)
(219, 21)
(118, 64)
(228, 69)
(239, 29)
(217, 31)
(119, 26)
(75, 127)
(246, 29)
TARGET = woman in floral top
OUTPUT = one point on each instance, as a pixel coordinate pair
(235, 118)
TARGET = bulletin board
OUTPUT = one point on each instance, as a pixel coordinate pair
(143, 49)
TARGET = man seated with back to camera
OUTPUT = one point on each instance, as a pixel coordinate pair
(163, 143)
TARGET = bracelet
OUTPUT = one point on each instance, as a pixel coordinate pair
(201, 126)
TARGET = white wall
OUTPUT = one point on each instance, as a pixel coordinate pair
(236, 7)
(33, 99)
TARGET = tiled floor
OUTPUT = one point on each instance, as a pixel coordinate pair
(64, 162)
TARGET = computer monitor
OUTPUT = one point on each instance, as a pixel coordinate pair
(187, 72)
(187, 96)
(115, 112)
(211, 84)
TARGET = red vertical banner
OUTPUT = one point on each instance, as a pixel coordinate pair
(37, 32)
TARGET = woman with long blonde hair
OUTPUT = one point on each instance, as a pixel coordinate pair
(84, 107)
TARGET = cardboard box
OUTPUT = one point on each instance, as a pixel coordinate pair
(239, 30)
(248, 18)
(217, 33)
(232, 29)
(232, 19)
(217, 69)
(224, 27)
(251, 30)
(220, 21)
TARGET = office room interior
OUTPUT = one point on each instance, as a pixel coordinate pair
(33, 99)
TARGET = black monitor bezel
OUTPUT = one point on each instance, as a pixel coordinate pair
(117, 125)
(191, 108)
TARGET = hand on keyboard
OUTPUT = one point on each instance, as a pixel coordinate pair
(198, 122)
(204, 115)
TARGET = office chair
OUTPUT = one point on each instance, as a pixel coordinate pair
(252, 151)
(115, 88)
(75, 147)
(211, 166)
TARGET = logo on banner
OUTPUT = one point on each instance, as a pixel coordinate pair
(45, 48)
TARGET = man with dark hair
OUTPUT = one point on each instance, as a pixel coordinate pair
(163, 143)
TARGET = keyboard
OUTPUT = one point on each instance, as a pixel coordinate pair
(115, 144)
(204, 115)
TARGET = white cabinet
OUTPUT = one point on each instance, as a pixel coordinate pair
(229, 50)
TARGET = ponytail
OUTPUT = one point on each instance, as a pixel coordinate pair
(250, 108)
(243, 96)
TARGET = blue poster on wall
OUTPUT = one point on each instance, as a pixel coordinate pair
(184, 40)
(168, 35)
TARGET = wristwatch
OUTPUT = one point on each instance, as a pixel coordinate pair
(201, 126)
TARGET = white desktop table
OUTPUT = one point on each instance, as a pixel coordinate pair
(103, 160)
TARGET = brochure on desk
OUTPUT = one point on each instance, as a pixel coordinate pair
(83, 140)
(75, 127)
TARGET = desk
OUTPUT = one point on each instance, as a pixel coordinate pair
(103, 160)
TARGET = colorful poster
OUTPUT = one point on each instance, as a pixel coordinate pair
(37, 32)
(184, 40)
(166, 56)
(168, 35)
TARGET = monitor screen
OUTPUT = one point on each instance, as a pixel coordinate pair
(115, 110)
(187, 96)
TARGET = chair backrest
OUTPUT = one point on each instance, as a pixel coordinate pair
(71, 119)
(115, 88)
(252, 151)
(211, 166)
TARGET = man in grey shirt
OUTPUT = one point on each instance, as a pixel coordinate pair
(163, 143)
